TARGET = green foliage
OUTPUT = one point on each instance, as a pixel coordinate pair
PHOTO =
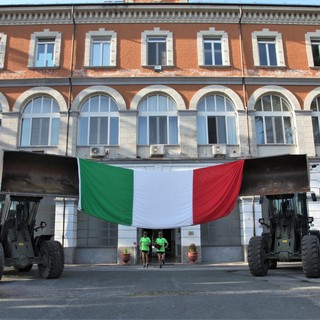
(192, 248)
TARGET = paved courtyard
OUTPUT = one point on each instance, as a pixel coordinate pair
(177, 291)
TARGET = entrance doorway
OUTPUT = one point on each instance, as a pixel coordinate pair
(172, 236)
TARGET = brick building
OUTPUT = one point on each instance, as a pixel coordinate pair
(160, 86)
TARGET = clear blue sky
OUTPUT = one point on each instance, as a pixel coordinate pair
(279, 2)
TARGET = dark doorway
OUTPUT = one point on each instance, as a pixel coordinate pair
(168, 234)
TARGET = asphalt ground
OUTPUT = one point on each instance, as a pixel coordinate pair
(177, 291)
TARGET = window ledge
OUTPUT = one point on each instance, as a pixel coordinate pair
(42, 68)
(100, 67)
(276, 145)
(271, 67)
(214, 66)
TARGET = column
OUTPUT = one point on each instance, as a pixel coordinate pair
(127, 239)
(250, 213)
(66, 226)
(190, 235)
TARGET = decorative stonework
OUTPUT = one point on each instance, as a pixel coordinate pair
(158, 13)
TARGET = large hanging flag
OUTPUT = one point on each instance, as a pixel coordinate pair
(149, 199)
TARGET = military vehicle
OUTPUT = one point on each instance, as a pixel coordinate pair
(19, 245)
(287, 236)
(26, 178)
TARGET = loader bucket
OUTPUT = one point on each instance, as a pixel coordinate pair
(40, 174)
(275, 175)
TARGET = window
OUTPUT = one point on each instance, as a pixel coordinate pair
(212, 52)
(45, 49)
(315, 107)
(95, 233)
(100, 52)
(267, 52)
(3, 44)
(313, 48)
(157, 48)
(40, 122)
(216, 120)
(45, 53)
(213, 48)
(316, 52)
(100, 49)
(157, 120)
(157, 51)
(267, 49)
(273, 120)
(99, 121)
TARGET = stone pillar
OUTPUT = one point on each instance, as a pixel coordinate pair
(250, 213)
(127, 238)
(190, 235)
(66, 226)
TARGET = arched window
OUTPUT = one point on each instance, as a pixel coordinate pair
(98, 121)
(40, 122)
(315, 107)
(157, 120)
(273, 120)
(216, 120)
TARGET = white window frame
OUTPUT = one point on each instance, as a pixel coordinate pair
(41, 115)
(273, 115)
(150, 114)
(316, 116)
(311, 36)
(3, 45)
(46, 34)
(156, 32)
(99, 114)
(101, 33)
(214, 114)
(213, 33)
(277, 37)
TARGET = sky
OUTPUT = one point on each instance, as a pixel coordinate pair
(280, 2)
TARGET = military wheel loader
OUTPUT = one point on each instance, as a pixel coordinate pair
(20, 247)
(287, 236)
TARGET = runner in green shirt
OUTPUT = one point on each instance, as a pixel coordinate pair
(161, 250)
(145, 243)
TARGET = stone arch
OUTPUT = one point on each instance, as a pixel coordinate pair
(156, 89)
(36, 91)
(216, 89)
(84, 94)
(4, 103)
(309, 98)
(294, 103)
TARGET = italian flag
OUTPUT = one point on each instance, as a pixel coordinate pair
(155, 200)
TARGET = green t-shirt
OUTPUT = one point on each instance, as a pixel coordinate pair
(145, 243)
(163, 242)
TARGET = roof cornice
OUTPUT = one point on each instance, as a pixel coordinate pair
(156, 13)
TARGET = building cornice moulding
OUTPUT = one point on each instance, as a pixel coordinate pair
(118, 81)
(89, 14)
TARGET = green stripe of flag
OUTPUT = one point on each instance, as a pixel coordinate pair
(106, 192)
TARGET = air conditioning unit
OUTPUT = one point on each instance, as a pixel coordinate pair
(96, 152)
(157, 150)
(219, 150)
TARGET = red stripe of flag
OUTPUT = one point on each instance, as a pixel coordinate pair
(216, 190)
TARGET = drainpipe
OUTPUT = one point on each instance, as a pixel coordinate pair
(68, 112)
(244, 89)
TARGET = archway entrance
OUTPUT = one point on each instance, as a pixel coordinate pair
(173, 237)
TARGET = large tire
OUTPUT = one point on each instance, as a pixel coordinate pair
(310, 256)
(1, 260)
(53, 257)
(258, 263)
